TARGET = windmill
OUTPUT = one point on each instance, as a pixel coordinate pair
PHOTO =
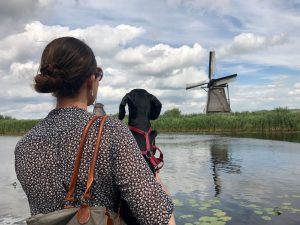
(217, 100)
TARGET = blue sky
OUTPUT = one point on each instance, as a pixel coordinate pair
(158, 45)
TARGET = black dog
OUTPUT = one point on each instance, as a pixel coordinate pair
(143, 107)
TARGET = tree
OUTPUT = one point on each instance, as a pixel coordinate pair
(172, 112)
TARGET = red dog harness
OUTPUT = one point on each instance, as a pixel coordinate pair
(156, 162)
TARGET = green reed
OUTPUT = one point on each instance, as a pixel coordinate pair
(278, 120)
(16, 127)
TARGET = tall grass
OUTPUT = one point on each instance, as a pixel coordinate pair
(16, 127)
(274, 121)
(278, 120)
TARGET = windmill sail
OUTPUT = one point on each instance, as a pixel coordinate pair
(211, 69)
(189, 86)
(224, 80)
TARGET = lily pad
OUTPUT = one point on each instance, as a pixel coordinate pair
(217, 223)
(282, 196)
(207, 205)
(226, 218)
(272, 213)
(208, 219)
(203, 208)
(220, 214)
(286, 203)
(202, 223)
(253, 206)
(177, 202)
(193, 203)
(258, 212)
(186, 216)
(286, 207)
(293, 210)
(266, 218)
(216, 210)
(269, 209)
(213, 201)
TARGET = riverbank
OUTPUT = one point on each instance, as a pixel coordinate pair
(279, 120)
(273, 121)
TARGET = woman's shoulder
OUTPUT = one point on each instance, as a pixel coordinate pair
(119, 129)
(115, 122)
(31, 138)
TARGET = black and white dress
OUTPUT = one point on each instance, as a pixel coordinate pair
(45, 156)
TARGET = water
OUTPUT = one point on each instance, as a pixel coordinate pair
(213, 179)
(13, 201)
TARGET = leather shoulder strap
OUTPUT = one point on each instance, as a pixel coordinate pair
(70, 195)
(87, 193)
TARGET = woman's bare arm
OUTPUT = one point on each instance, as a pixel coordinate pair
(172, 219)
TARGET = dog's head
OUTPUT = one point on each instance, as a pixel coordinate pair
(140, 103)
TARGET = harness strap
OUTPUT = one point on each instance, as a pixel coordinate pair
(145, 134)
(157, 163)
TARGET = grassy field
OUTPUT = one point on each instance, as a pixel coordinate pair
(278, 120)
(16, 127)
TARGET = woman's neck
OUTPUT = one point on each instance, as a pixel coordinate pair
(66, 102)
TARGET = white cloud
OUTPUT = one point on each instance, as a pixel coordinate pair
(248, 42)
(37, 108)
(111, 94)
(295, 91)
(158, 46)
(297, 85)
(30, 111)
(18, 81)
(105, 40)
(251, 97)
(161, 59)
(29, 44)
(179, 78)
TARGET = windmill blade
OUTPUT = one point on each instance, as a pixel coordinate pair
(211, 68)
(193, 85)
(224, 80)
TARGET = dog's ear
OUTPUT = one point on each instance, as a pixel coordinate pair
(155, 108)
(122, 110)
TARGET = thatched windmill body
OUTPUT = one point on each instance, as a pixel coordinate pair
(217, 99)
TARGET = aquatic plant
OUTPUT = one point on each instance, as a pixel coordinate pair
(212, 212)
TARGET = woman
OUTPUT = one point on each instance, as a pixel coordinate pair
(44, 157)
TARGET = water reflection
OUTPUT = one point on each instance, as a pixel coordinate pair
(221, 160)
(250, 176)
(278, 136)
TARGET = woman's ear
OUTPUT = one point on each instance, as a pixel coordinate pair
(155, 108)
(122, 110)
(91, 90)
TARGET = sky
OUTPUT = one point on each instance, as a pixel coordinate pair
(157, 45)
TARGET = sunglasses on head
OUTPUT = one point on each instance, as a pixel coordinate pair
(99, 73)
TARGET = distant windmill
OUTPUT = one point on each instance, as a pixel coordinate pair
(217, 101)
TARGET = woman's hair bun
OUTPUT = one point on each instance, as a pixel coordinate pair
(47, 84)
